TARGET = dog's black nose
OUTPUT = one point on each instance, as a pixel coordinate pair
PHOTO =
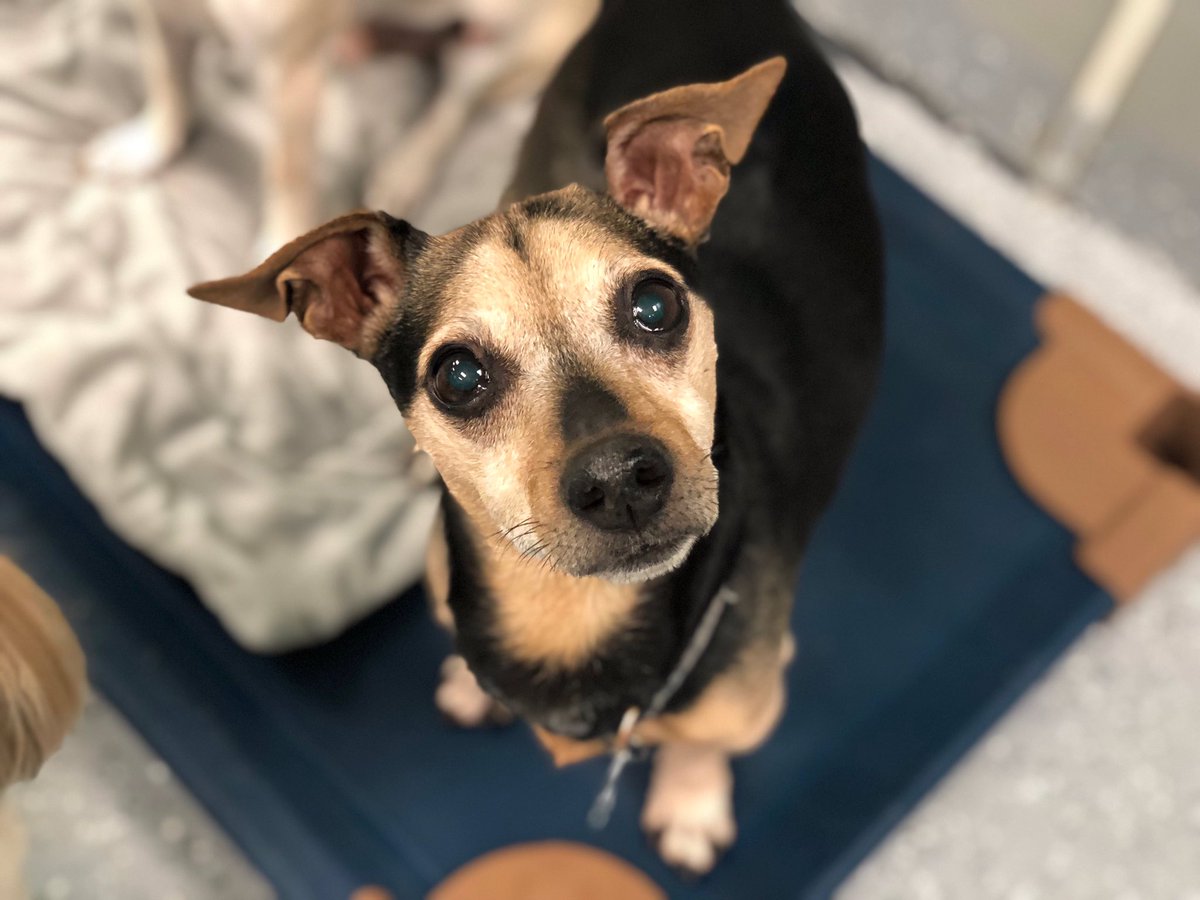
(618, 484)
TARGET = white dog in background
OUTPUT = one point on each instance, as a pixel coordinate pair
(487, 51)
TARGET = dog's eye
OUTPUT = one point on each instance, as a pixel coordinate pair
(459, 378)
(655, 305)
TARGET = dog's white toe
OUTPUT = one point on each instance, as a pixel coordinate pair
(133, 149)
(461, 699)
(690, 806)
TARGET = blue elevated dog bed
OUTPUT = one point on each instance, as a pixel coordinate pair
(934, 594)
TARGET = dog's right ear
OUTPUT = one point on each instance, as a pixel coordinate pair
(669, 154)
(343, 280)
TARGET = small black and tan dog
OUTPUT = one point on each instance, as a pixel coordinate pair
(637, 404)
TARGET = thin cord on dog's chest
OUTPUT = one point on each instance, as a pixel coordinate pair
(626, 741)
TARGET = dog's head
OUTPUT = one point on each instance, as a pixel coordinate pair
(551, 358)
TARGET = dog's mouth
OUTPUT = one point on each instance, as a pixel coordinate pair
(647, 560)
(650, 552)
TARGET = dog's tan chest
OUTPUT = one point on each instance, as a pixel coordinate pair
(542, 616)
(545, 617)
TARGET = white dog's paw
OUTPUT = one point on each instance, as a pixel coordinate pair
(689, 807)
(462, 700)
(134, 149)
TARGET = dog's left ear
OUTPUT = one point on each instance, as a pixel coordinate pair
(669, 154)
(343, 280)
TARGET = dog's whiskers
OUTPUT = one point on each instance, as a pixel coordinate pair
(507, 532)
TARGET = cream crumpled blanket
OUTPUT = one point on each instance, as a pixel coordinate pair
(270, 470)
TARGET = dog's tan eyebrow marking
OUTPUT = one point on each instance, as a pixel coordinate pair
(469, 331)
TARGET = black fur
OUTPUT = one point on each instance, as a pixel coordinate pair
(516, 240)
(587, 407)
(396, 358)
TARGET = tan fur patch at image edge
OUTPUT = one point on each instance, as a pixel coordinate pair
(42, 676)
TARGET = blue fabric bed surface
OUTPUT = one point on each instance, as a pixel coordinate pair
(934, 594)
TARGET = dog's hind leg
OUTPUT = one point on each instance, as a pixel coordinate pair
(689, 807)
(150, 140)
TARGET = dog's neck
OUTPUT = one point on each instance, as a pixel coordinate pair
(572, 654)
(546, 617)
(543, 616)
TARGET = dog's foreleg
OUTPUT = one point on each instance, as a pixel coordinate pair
(460, 698)
(152, 138)
(689, 806)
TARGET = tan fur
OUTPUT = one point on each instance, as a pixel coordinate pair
(42, 680)
(555, 619)
(736, 712)
(565, 751)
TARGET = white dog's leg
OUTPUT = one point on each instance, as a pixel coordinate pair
(12, 853)
(406, 174)
(152, 138)
(689, 806)
(291, 89)
(462, 700)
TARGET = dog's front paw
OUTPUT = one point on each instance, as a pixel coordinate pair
(134, 149)
(463, 701)
(689, 808)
